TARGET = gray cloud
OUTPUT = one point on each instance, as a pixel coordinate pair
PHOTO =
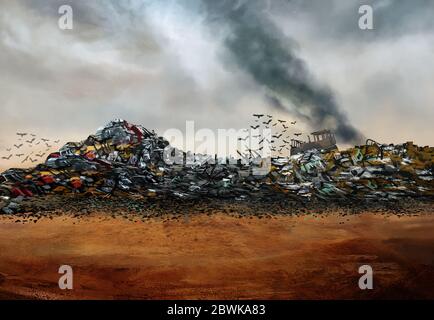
(339, 19)
(161, 63)
(259, 49)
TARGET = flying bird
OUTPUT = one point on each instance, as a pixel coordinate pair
(255, 127)
(21, 134)
(277, 136)
(7, 158)
(25, 159)
(18, 146)
(258, 115)
(293, 122)
(19, 155)
(45, 140)
(32, 160)
(281, 121)
(297, 134)
(30, 141)
(267, 122)
(57, 141)
(8, 149)
(40, 155)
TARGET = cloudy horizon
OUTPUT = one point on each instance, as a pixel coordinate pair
(160, 64)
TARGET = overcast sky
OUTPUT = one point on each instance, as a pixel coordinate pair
(160, 63)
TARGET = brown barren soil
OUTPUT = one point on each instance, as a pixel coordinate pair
(219, 257)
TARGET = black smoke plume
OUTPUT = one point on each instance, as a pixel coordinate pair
(258, 48)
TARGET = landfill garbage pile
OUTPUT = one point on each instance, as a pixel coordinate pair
(369, 172)
(122, 158)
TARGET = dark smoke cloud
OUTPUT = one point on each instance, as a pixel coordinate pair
(259, 49)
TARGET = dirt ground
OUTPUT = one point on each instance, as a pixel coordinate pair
(219, 257)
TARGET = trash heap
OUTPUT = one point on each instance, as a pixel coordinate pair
(122, 158)
(369, 172)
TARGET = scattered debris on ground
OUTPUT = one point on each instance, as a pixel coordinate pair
(129, 160)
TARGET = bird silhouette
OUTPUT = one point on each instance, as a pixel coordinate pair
(57, 141)
(255, 127)
(40, 155)
(277, 136)
(18, 145)
(8, 149)
(297, 134)
(32, 160)
(21, 134)
(25, 159)
(45, 140)
(293, 122)
(30, 141)
(19, 155)
(243, 139)
(7, 158)
(48, 146)
(285, 127)
(258, 115)
(281, 121)
(38, 142)
(267, 122)
(269, 116)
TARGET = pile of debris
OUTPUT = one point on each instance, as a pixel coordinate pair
(125, 158)
(370, 172)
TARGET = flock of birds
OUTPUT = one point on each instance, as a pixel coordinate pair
(43, 146)
(278, 142)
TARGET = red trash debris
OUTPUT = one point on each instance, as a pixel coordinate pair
(27, 192)
(16, 192)
(47, 179)
(76, 183)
